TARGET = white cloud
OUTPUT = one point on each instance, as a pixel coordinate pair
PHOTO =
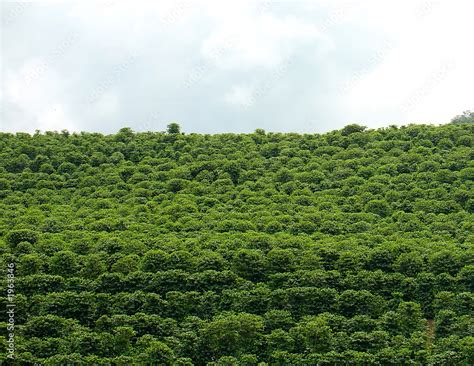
(350, 61)
(239, 96)
(249, 39)
(35, 94)
(108, 106)
(425, 77)
(55, 119)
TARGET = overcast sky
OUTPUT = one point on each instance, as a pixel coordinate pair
(234, 66)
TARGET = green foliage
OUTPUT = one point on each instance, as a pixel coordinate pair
(350, 247)
(16, 237)
(352, 128)
(173, 128)
(158, 353)
(466, 117)
(378, 207)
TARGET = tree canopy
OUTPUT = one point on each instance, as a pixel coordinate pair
(466, 117)
(349, 247)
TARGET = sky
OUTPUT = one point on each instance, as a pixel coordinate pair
(233, 66)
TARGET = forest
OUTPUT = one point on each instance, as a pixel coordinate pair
(352, 247)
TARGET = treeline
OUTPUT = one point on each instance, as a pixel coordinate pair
(350, 247)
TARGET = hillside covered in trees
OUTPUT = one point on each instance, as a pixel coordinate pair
(353, 247)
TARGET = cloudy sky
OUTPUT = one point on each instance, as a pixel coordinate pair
(233, 66)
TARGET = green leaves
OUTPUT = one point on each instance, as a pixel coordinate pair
(173, 128)
(15, 237)
(241, 249)
(378, 207)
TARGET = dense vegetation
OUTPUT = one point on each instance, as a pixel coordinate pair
(465, 117)
(351, 247)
